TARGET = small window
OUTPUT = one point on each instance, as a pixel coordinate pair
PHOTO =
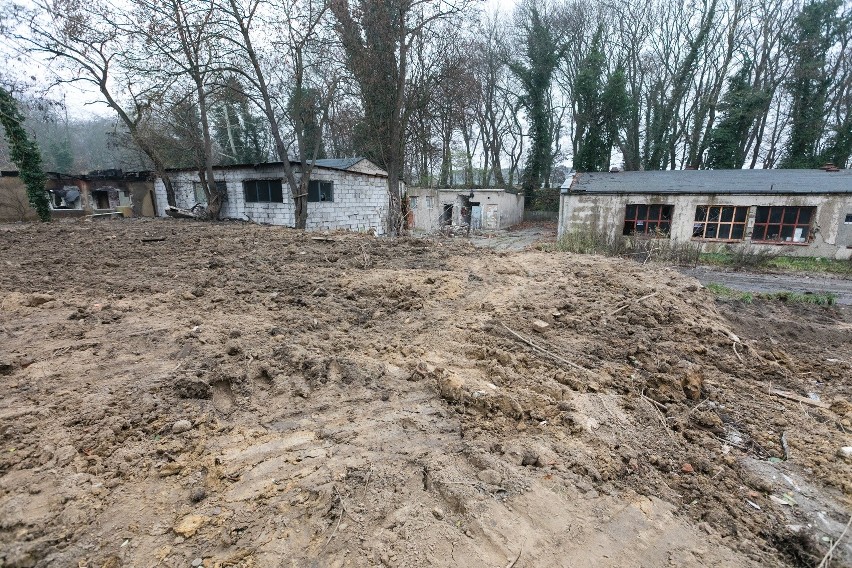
(428, 202)
(785, 225)
(200, 197)
(720, 222)
(412, 203)
(651, 220)
(319, 190)
(263, 191)
(848, 220)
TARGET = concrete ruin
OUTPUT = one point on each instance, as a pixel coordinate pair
(805, 212)
(491, 209)
(99, 193)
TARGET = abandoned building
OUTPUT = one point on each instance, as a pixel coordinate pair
(104, 192)
(430, 209)
(345, 193)
(807, 212)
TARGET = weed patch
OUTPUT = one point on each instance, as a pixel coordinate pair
(819, 298)
(643, 249)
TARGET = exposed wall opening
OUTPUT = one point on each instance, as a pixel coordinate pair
(100, 199)
(649, 220)
(447, 214)
(720, 222)
(783, 225)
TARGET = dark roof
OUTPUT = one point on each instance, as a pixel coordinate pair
(715, 181)
(337, 163)
(342, 164)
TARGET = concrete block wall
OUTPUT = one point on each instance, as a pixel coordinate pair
(360, 201)
(605, 213)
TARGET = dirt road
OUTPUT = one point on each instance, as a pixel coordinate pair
(238, 395)
(790, 282)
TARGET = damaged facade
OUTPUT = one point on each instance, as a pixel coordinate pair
(430, 209)
(347, 193)
(807, 212)
(106, 192)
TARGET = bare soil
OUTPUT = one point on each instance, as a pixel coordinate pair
(240, 395)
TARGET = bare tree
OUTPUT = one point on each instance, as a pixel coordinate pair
(82, 44)
(379, 38)
(303, 62)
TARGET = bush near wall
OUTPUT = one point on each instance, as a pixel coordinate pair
(14, 203)
(546, 199)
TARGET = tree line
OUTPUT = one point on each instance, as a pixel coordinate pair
(441, 93)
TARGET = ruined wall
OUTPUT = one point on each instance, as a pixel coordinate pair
(360, 201)
(831, 236)
(500, 209)
(14, 204)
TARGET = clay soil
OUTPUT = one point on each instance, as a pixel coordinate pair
(240, 395)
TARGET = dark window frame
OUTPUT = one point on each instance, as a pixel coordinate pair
(779, 220)
(648, 219)
(715, 220)
(320, 191)
(273, 190)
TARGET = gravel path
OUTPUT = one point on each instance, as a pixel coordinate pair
(754, 282)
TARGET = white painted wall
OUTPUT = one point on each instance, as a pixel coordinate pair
(832, 238)
(360, 201)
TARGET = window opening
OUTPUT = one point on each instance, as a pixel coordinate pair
(200, 197)
(652, 220)
(783, 224)
(319, 190)
(263, 191)
(720, 222)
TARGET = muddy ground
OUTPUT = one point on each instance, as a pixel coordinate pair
(240, 395)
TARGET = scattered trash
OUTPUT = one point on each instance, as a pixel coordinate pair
(785, 499)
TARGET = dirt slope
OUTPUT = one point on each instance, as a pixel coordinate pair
(238, 395)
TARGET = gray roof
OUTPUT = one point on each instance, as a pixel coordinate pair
(337, 163)
(715, 181)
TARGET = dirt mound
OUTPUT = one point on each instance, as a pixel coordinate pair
(239, 395)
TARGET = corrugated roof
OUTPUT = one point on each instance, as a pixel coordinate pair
(715, 181)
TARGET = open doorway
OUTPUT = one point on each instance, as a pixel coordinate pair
(447, 214)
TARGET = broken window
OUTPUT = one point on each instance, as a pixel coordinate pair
(201, 197)
(720, 222)
(428, 202)
(652, 220)
(100, 199)
(319, 190)
(783, 224)
(263, 191)
(412, 202)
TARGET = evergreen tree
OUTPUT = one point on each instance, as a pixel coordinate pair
(600, 110)
(238, 133)
(24, 154)
(308, 103)
(817, 28)
(542, 52)
(740, 108)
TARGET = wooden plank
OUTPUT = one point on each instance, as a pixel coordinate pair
(802, 399)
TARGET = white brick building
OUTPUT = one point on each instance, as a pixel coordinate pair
(350, 194)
